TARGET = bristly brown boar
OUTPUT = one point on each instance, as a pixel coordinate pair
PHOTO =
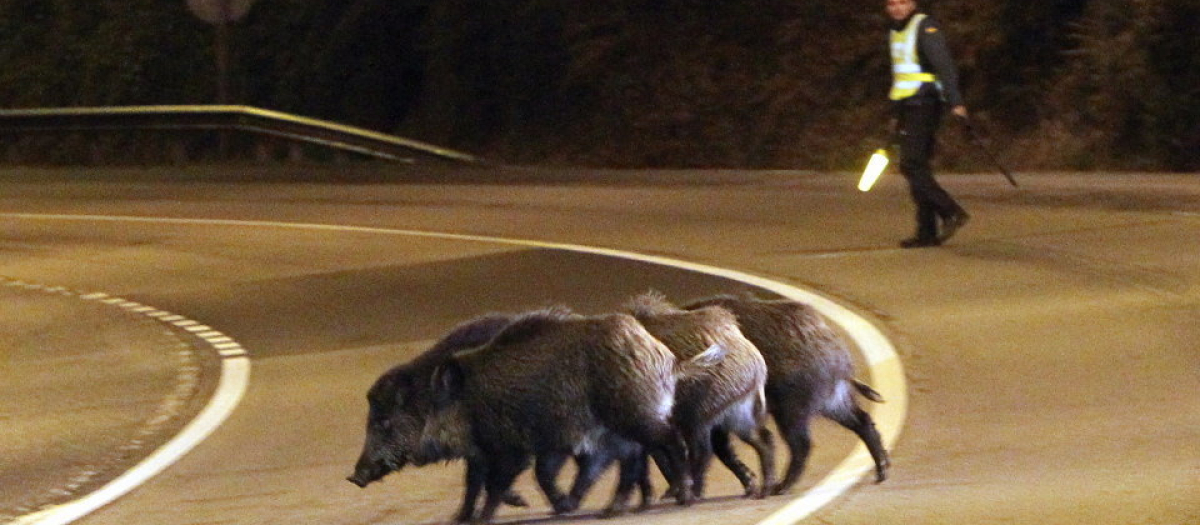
(724, 397)
(551, 384)
(809, 372)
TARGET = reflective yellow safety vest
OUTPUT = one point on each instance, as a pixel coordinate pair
(907, 75)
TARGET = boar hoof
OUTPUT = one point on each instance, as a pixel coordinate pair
(767, 490)
(755, 491)
(685, 498)
(647, 502)
(565, 505)
(670, 493)
(612, 511)
(512, 499)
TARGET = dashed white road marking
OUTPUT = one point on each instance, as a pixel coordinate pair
(235, 376)
(887, 374)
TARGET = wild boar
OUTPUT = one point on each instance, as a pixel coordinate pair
(809, 372)
(551, 383)
(725, 397)
(401, 407)
(403, 428)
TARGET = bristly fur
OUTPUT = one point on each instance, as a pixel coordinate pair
(401, 401)
(651, 302)
(810, 372)
(722, 376)
(528, 325)
(550, 382)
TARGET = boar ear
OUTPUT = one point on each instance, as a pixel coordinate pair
(447, 382)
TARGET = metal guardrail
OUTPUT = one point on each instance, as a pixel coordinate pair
(216, 118)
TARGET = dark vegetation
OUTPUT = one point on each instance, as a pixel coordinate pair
(1057, 84)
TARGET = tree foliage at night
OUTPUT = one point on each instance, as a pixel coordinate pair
(1058, 84)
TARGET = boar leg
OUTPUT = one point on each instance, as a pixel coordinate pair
(666, 445)
(860, 422)
(591, 466)
(474, 484)
(633, 473)
(700, 452)
(763, 443)
(795, 433)
(546, 471)
(502, 469)
(514, 499)
(644, 484)
(724, 450)
(671, 454)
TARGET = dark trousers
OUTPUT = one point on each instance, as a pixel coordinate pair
(918, 123)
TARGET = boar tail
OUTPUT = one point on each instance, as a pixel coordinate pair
(649, 304)
(698, 363)
(868, 392)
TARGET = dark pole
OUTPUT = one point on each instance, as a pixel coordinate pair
(221, 14)
(974, 136)
(222, 49)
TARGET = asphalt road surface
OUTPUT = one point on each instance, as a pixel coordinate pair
(1051, 349)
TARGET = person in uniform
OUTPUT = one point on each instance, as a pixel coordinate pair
(924, 81)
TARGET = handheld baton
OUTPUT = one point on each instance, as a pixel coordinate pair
(875, 167)
(974, 136)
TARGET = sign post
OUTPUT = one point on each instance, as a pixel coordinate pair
(221, 13)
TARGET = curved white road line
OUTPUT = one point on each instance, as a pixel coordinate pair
(887, 373)
(235, 376)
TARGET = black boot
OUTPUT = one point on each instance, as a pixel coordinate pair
(920, 242)
(951, 224)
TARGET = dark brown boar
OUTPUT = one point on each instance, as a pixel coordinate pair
(809, 372)
(402, 427)
(552, 384)
(726, 397)
(400, 401)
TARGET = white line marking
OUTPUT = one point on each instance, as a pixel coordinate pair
(887, 374)
(235, 373)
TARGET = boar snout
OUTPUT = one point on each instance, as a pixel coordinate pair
(367, 472)
(358, 480)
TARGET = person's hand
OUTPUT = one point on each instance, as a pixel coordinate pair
(960, 111)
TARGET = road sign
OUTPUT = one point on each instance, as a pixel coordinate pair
(220, 11)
